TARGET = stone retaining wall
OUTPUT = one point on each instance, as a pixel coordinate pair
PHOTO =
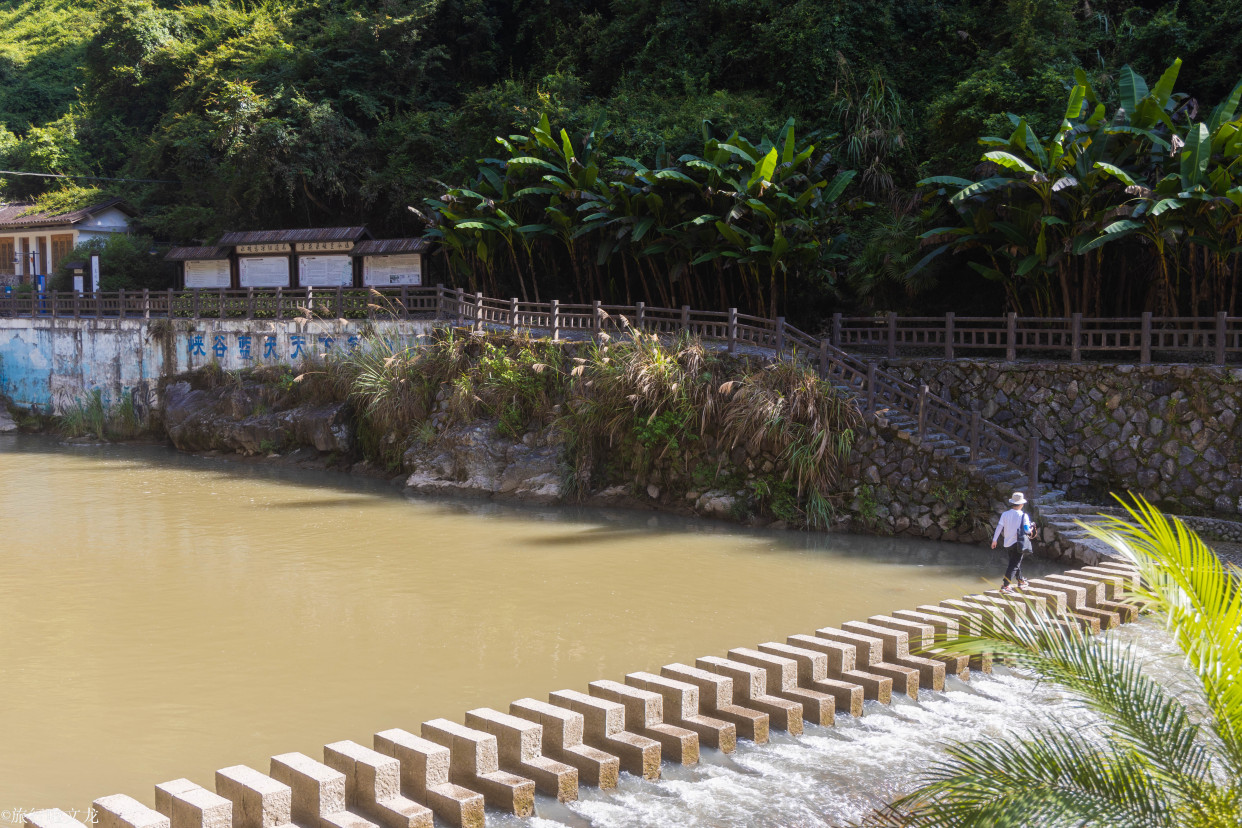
(1168, 432)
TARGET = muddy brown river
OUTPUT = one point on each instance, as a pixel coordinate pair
(164, 615)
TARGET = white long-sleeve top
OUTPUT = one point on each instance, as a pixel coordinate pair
(1013, 523)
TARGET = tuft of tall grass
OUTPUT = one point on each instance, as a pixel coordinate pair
(91, 415)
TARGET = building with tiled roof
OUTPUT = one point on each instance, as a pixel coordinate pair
(33, 242)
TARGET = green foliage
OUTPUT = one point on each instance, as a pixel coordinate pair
(92, 415)
(125, 261)
(1159, 757)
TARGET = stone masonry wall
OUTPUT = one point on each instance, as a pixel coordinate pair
(1168, 432)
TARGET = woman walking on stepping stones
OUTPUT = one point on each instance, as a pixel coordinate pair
(1018, 530)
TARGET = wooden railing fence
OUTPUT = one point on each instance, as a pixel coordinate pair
(874, 387)
(1147, 337)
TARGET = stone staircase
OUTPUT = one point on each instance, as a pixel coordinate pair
(1061, 536)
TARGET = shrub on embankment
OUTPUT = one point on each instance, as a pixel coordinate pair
(630, 412)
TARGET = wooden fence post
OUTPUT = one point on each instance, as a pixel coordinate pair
(54, 295)
(1145, 339)
(280, 305)
(922, 411)
(823, 359)
(513, 313)
(459, 298)
(640, 312)
(892, 335)
(439, 300)
(780, 336)
(77, 305)
(220, 314)
(975, 417)
(405, 301)
(950, 321)
(478, 311)
(685, 318)
(836, 330)
(1033, 470)
(198, 300)
(1076, 337)
(732, 330)
(120, 305)
(1011, 339)
(146, 303)
(554, 319)
(1221, 333)
(170, 303)
(870, 386)
(597, 320)
(338, 306)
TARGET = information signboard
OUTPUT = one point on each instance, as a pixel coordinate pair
(263, 271)
(213, 273)
(387, 271)
(325, 271)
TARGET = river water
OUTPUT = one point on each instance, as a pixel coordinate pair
(164, 615)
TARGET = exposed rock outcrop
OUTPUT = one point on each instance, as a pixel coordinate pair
(236, 418)
(476, 461)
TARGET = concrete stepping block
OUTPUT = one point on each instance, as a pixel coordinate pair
(644, 715)
(425, 772)
(949, 626)
(520, 743)
(474, 763)
(604, 728)
(681, 708)
(870, 659)
(843, 666)
(782, 682)
(373, 786)
(897, 651)
(1113, 586)
(190, 805)
(716, 700)
(318, 792)
(121, 811)
(750, 690)
(259, 801)
(813, 675)
(1028, 602)
(562, 741)
(50, 818)
(1102, 593)
(1085, 598)
(923, 638)
(1133, 579)
(1128, 580)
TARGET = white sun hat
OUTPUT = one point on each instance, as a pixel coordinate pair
(1018, 499)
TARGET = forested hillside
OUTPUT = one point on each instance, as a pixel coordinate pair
(317, 112)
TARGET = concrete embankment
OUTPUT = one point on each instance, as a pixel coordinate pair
(498, 760)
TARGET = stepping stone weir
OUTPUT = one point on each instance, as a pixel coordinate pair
(750, 690)
(474, 763)
(812, 666)
(318, 792)
(604, 728)
(373, 786)
(562, 741)
(716, 700)
(782, 682)
(842, 667)
(452, 772)
(681, 708)
(644, 715)
(425, 772)
(520, 743)
(869, 658)
(259, 801)
(189, 805)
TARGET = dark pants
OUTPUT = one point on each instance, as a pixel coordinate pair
(1015, 561)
